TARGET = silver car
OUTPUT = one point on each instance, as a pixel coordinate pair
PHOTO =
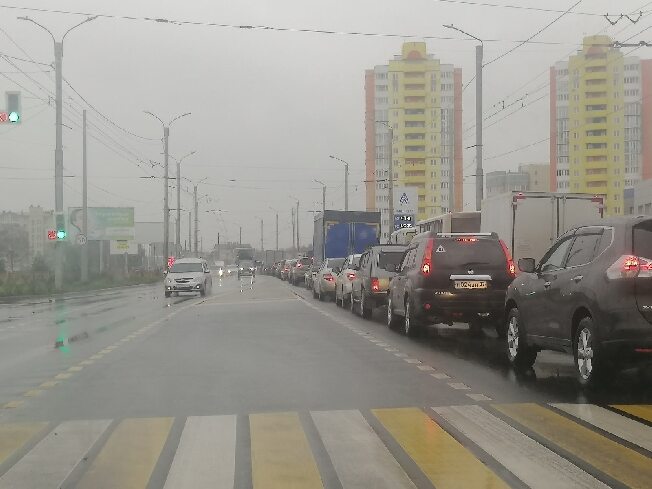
(323, 284)
(188, 275)
(344, 279)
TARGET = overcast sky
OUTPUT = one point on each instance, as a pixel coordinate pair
(267, 107)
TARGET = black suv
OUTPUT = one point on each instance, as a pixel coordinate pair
(448, 277)
(370, 286)
(591, 295)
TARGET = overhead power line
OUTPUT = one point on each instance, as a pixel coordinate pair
(260, 27)
(515, 7)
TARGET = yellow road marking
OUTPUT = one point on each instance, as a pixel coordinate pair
(75, 369)
(129, 456)
(33, 393)
(15, 435)
(96, 357)
(13, 404)
(87, 362)
(624, 464)
(440, 457)
(280, 454)
(49, 383)
(62, 376)
(643, 411)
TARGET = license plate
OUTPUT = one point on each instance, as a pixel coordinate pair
(470, 284)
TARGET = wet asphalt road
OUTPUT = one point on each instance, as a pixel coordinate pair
(130, 354)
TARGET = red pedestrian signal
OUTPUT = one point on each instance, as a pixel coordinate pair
(52, 234)
(170, 261)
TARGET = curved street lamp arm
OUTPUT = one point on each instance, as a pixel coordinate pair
(75, 26)
(178, 117)
(155, 116)
(41, 26)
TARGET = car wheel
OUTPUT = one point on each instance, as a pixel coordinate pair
(202, 291)
(475, 327)
(519, 354)
(314, 294)
(337, 300)
(365, 312)
(168, 294)
(392, 320)
(411, 324)
(320, 296)
(352, 303)
(345, 299)
(590, 367)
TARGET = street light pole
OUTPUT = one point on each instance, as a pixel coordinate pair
(166, 166)
(84, 250)
(58, 150)
(346, 180)
(178, 227)
(479, 171)
(276, 226)
(323, 219)
(390, 166)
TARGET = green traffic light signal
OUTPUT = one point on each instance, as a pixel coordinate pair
(14, 116)
(61, 234)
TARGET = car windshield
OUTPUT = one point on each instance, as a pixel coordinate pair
(186, 190)
(186, 267)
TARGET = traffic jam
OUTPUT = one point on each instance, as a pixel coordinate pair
(584, 289)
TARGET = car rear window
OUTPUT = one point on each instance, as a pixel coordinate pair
(306, 261)
(643, 239)
(451, 253)
(335, 262)
(386, 257)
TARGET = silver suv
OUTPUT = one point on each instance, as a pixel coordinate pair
(188, 275)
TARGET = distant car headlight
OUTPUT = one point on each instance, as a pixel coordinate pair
(241, 268)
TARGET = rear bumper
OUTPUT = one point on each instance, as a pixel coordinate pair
(628, 352)
(326, 287)
(378, 299)
(464, 306)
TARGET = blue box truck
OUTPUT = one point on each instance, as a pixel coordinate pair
(341, 233)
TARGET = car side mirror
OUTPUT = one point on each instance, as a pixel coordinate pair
(165, 272)
(527, 265)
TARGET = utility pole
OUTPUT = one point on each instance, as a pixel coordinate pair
(346, 187)
(240, 234)
(323, 218)
(84, 250)
(178, 228)
(166, 203)
(218, 246)
(58, 150)
(196, 221)
(293, 231)
(479, 172)
(262, 244)
(190, 231)
(391, 181)
(276, 227)
(298, 239)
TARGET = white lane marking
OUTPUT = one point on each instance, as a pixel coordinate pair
(425, 368)
(534, 464)
(440, 376)
(401, 355)
(611, 422)
(50, 462)
(479, 397)
(382, 344)
(391, 349)
(360, 459)
(459, 385)
(205, 457)
(412, 360)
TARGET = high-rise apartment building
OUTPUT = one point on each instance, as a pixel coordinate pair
(600, 110)
(421, 100)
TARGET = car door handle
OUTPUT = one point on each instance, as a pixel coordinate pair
(577, 278)
(547, 284)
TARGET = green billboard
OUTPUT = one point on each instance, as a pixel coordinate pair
(104, 223)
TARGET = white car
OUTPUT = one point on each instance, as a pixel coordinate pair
(188, 275)
(344, 278)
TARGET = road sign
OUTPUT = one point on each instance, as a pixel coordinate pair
(403, 221)
(81, 239)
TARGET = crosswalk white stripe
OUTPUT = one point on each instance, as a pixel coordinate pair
(358, 455)
(50, 462)
(205, 457)
(528, 460)
(611, 422)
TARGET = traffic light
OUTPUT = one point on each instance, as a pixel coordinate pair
(61, 227)
(13, 106)
(52, 234)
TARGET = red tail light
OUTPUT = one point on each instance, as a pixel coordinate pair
(299, 265)
(375, 284)
(630, 266)
(350, 275)
(511, 268)
(426, 263)
(328, 277)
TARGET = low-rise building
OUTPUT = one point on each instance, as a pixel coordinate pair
(643, 198)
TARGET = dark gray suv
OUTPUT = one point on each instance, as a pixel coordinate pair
(591, 295)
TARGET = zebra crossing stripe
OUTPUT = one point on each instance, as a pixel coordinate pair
(528, 460)
(622, 427)
(440, 457)
(280, 453)
(14, 435)
(50, 462)
(638, 410)
(205, 457)
(128, 458)
(358, 455)
(608, 456)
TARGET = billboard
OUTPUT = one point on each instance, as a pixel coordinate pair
(122, 246)
(405, 200)
(104, 223)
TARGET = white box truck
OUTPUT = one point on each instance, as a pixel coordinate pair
(529, 222)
